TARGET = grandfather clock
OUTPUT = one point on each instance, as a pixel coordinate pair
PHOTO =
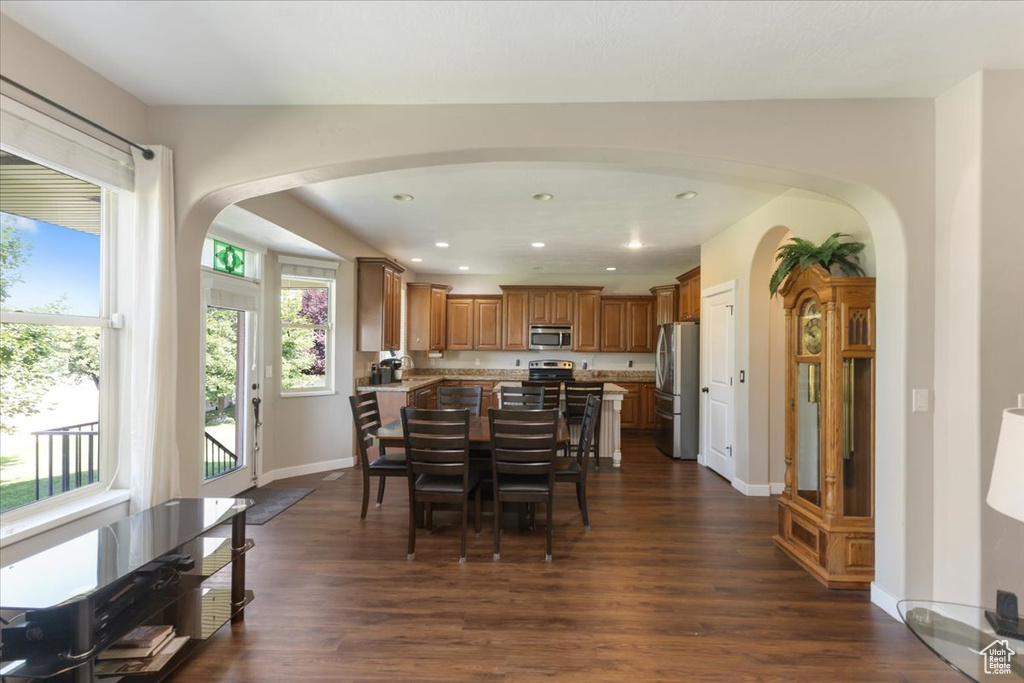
(826, 512)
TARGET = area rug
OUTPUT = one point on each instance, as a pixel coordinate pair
(270, 502)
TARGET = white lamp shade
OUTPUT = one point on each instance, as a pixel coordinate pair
(1006, 490)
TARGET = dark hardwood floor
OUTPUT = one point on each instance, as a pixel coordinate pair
(677, 580)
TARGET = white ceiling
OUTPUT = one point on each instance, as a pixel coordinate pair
(487, 214)
(228, 52)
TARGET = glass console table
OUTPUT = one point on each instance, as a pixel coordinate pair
(962, 637)
(66, 604)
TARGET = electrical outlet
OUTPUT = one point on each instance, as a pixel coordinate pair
(630, 364)
(476, 362)
(517, 362)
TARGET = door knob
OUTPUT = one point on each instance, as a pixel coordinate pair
(703, 390)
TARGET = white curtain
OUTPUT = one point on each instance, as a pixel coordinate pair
(153, 349)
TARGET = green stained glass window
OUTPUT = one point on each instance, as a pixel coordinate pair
(227, 258)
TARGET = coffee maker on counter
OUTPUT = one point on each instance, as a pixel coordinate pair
(390, 370)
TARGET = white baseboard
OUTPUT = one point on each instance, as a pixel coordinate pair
(299, 470)
(700, 460)
(884, 600)
(750, 489)
(776, 488)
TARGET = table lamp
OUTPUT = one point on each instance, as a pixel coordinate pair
(1006, 495)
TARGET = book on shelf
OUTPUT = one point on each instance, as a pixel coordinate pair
(138, 665)
(141, 641)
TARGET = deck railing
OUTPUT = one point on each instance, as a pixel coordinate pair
(76, 448)
(219, 458)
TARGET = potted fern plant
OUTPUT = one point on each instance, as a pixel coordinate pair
(804, 253)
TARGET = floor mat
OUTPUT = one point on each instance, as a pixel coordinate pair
(270, 502)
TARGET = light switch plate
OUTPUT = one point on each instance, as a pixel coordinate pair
(920, 401)
(268, 371)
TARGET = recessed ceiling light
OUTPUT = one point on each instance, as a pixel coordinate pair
(441, 244)
(416, 260)
(610, 268)
(403, 197)
(635, 245)
(686, 195)
(463, 267)
(543, 196)
(537, 244)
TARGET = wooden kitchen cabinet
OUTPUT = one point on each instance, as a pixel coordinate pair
(551, 306)
(666, 306)
(427, 306)
(629, 417)
(425, 398)
(649, 417)
(627, 324)
(689, 296)
(487, 323)
(515, 328)
(379, 291)
(474, 323)
(586, 330)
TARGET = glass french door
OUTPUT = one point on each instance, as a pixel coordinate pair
(231, 394)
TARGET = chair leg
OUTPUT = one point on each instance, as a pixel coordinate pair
(581, 487)
(477, 512)
(366, 495)
(547, 556)
(412, 528)
(380, 490)
(497, 527)
(462, 548)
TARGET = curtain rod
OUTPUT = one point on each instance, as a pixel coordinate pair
(146, 153)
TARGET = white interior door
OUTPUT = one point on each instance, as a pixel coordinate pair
(231, 383)
(717, 435)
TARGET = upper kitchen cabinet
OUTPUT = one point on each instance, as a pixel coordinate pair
(689, 296)
(586, 329)
(551, 306)
(427, 306)
(666, 307)
(380, 304)
(474, 323)
(515, 312)
(627, 324)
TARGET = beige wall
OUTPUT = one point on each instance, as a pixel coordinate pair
(744, 253)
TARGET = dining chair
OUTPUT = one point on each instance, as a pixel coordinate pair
(523, 444)
(522, 398)
(552, 391)
(576, 394)
(457, 398)
(437, 453)
(366, 414)
(574, 468)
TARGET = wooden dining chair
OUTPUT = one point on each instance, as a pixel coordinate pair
(437, 453)
(574, 468)
(552, 391)
(458, 398)
(522, 398)
(576, 394)
(372, 459)
(523, 444)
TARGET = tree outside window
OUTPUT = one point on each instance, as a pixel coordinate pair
(305, 335)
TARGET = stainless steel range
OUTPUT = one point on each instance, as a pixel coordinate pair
(551, 370)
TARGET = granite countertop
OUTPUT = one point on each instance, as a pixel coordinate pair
(418, 381)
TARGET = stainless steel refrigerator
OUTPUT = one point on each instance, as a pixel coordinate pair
(677, 390)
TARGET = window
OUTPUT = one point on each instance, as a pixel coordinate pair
(307, 344)
(53, 334)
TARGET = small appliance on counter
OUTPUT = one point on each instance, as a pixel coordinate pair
(388, 367)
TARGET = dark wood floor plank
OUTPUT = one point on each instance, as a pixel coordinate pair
(678, 580)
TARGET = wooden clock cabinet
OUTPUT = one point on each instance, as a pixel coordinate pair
(826, 511)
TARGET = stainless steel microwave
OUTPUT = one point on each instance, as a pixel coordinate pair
(543, 337)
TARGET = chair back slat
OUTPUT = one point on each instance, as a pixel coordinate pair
(524, 441)
(522, 398)
(552, 391)
(459, 398)
(576, 394)
(587, 428)
(436, 441)
(366, 415)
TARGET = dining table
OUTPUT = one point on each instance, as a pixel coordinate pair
(392, 434)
